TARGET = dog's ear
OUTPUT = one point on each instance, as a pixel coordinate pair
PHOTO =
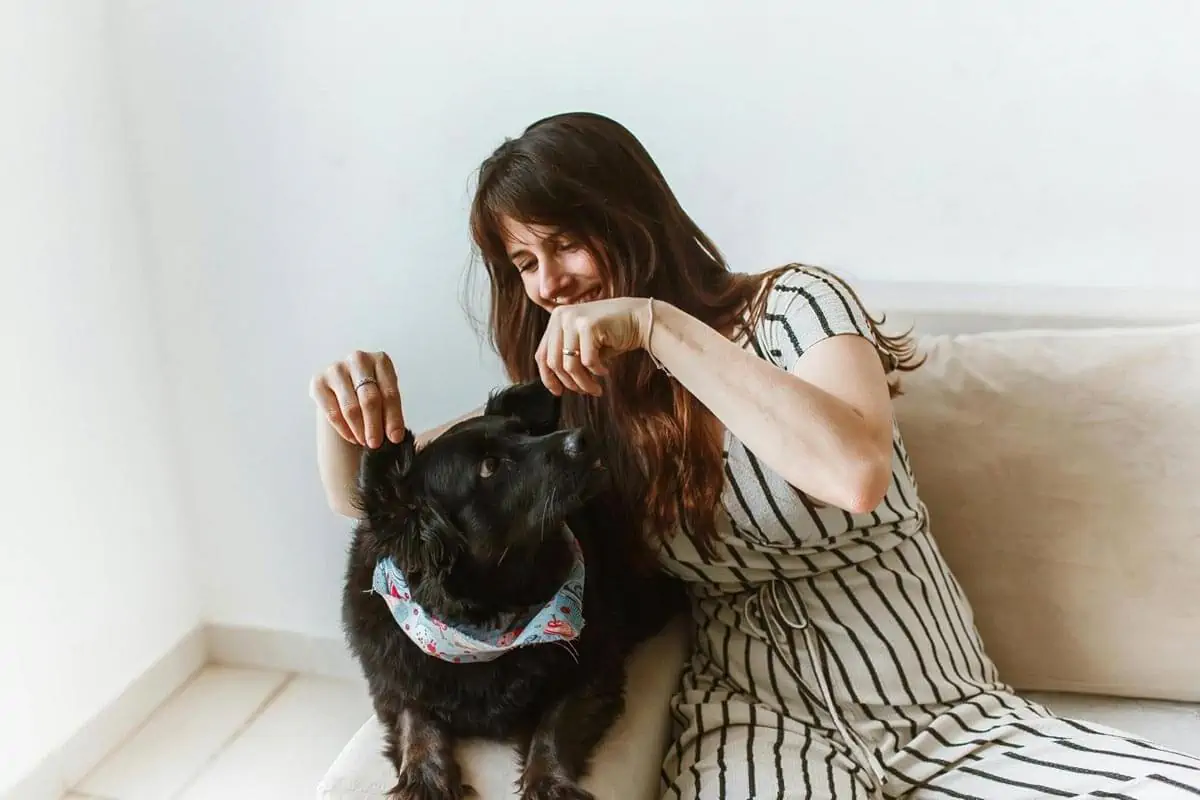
(531, 402)
(382, 476)
(411, 527)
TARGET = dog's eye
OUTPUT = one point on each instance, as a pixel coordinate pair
(488, 467)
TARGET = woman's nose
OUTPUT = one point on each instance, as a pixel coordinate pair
(552, 281)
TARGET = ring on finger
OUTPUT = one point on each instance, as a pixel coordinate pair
(569, 353)
(364, 381)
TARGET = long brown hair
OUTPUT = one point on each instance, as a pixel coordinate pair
(587, 176)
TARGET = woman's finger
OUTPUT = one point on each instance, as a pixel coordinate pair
(549, 350)
(565, 361)
(591, 359)
(389, 390)
(370, 400)
(327, 401)
(338, 378)
(577, 348)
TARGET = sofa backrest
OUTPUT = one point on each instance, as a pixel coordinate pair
(1061, 470)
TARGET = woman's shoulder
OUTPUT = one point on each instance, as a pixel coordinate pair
(800, 305)
(792, 286)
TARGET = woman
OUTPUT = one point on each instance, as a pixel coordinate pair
(750, 430)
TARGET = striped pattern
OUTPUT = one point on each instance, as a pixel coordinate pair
(837, 656)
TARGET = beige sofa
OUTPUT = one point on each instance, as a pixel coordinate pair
(1062, 473)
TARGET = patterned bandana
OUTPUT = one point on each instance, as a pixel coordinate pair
(559, 620)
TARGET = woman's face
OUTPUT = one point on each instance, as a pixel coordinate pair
(554, 269)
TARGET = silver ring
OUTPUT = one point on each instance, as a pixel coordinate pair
(570, 352)
(364, 382)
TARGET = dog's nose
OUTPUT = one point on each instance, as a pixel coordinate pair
(575, 444)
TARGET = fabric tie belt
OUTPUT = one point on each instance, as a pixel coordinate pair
(767, 605)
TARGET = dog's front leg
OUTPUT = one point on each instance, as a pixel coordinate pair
(562, 745)
(422, 752)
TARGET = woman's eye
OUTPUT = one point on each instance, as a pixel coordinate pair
(488, 467)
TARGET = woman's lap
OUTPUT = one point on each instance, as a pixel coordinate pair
(993, 746)
(732, 748)
(873, 675)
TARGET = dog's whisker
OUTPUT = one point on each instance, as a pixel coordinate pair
(546, 507)
(502, 555)
(571, 650)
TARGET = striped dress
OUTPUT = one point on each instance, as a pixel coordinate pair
(836, 655)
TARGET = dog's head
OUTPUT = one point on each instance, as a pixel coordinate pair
(475, 517)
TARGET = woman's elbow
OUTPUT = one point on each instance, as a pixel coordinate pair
(859, 487)
(867, 482)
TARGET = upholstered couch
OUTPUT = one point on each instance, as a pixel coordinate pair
(1061, 468)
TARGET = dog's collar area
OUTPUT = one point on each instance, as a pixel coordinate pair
(557, 622)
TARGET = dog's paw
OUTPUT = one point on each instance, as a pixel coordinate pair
(416, 784)
(551, 787)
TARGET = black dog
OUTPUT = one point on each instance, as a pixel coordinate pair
(475, 522)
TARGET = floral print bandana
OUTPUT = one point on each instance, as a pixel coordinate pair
(558, 621)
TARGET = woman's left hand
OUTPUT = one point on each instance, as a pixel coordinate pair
(581, 339)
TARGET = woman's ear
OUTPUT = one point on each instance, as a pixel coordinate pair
(531, 402)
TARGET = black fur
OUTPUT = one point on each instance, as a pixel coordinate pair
(474, 521)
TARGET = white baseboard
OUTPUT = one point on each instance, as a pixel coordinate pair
(65, 767)
(281, 650)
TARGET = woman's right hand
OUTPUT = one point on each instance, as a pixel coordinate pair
(360, 398)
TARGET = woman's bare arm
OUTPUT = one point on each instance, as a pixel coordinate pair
(825, 426)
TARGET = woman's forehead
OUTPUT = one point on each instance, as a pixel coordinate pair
(518, 234)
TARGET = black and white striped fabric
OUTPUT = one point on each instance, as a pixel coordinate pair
(836, 655)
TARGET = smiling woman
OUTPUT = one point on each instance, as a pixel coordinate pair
(746, 421)
(592, 260)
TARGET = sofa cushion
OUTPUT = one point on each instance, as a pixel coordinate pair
(1061, 470)
(627, 763)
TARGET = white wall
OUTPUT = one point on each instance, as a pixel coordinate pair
(309, 166)
(95, 582)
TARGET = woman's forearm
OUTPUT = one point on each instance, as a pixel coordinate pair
(817, 442)
(337, 464)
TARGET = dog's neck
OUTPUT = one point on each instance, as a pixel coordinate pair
(475, 592)
(558, 620)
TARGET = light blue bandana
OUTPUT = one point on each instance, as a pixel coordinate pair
(558, 621)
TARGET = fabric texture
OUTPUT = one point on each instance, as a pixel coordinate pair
(837, 655)
(557, 622)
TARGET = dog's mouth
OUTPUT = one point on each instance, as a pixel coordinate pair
(581, 456)
(572, 490)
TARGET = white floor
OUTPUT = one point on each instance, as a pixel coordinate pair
(231, 734)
